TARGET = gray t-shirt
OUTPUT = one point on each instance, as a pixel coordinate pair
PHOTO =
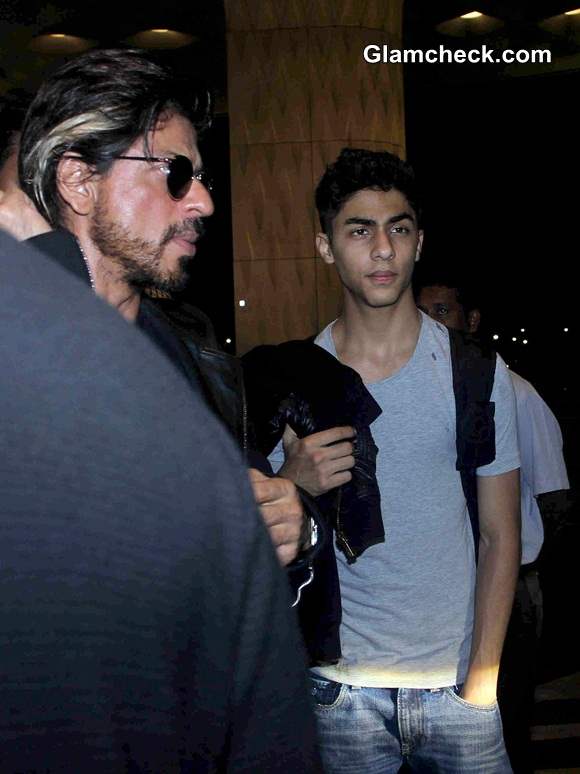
(408, 602)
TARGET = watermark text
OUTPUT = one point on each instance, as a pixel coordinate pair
(373, 54)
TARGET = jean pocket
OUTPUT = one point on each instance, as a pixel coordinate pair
(326, 693)
(453, 693)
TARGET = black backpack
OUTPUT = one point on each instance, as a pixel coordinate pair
(473, 368)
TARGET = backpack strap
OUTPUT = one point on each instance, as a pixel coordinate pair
(473, 367)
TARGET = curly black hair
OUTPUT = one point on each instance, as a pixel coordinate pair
(355, 170)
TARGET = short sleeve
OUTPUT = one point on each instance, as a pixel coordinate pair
(543, 466)
(507, 456)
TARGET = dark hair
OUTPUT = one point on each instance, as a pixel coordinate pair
(96, 106)
(356, 169)
(13, 107)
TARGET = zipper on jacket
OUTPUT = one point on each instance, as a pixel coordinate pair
(340, 536)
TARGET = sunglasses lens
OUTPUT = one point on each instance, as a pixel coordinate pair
(179, 177)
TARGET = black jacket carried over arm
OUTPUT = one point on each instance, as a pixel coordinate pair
(300, 384)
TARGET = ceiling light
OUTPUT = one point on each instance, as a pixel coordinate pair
(161, 37)
(462, 26)
(575, 12)
(59, 44)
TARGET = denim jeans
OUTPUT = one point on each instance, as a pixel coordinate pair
(375, 730)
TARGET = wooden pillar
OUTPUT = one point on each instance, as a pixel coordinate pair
(299, 90)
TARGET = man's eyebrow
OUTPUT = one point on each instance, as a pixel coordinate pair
(355, 219)
(402, 216)
(360, 221)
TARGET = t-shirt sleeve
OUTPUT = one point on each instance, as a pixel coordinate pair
(507, 456)
(543, 465)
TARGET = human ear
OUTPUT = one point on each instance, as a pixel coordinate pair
(76, 184)
(324, 248)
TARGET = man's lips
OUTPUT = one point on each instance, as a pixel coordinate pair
(186, 241)
(382, 277)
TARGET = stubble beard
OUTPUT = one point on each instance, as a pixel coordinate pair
(140, 260)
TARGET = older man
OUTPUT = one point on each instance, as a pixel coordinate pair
(109, 155)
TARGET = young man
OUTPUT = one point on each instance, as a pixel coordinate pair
(109, 156)
(422, 623)
(544, 498)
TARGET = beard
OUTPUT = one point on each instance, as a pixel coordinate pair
(140, 260)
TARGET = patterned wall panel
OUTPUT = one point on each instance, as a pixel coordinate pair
(266, 14)
(268, 83)
(272, 195)
(280, 301)
(299, 90)
(280, 14)
(328, 293)
(353, 99)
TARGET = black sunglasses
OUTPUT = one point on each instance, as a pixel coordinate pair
(180, 174)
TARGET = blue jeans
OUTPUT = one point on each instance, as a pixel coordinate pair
(375, 730)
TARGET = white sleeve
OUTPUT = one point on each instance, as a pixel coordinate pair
(543, 466)
(507, 455)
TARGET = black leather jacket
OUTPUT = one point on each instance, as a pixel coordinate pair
(216, 374)
(300, 384)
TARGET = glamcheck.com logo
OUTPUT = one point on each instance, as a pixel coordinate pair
(374, 54)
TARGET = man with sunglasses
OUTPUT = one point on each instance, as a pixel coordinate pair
(109, 156)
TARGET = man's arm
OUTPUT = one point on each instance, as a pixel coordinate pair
(499, 561)
(19, 217)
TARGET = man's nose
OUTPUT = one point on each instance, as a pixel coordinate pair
(383, 247)
(198, 200)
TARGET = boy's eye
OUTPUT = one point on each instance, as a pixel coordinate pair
(400, 229)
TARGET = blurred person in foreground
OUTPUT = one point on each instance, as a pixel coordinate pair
(145, 620)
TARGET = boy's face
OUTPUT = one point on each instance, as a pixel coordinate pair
(375, 244)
